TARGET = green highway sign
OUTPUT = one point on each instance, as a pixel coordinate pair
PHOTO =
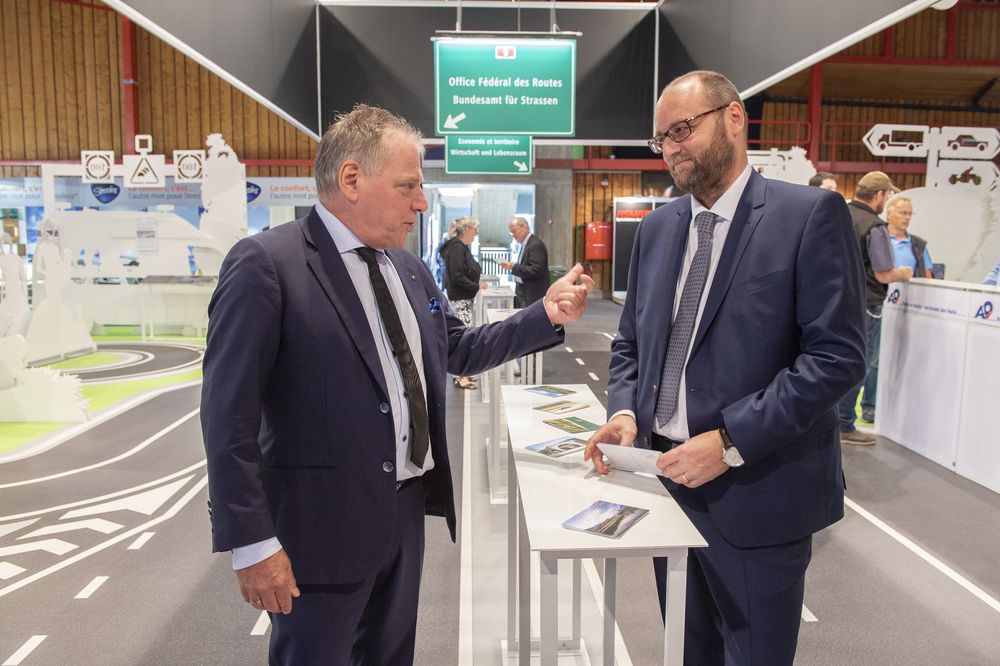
(488, 154)
(505, 86)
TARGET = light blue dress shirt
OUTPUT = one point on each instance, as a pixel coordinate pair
(902, 250)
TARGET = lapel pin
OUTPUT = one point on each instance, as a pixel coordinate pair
(413, 277)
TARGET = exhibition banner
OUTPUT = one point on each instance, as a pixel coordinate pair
(505, 86)
(488, 154)
(950, 303)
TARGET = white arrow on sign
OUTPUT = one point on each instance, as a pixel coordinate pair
(521, 166)
(54, 546)
(452, 123)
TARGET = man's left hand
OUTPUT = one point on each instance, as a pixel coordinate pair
(506, 265)
(566, 300)
(695, 462)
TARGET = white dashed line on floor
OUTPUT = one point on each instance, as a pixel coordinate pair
(593, 375)
(24, 650)
(91, 587)
(579, 360)
(141, 541)
(807, 615)
(569, 350)
(608, 336)
(260, 627)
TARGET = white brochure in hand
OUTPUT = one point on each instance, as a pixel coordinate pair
(630, 459)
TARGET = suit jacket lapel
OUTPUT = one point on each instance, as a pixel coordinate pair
(748, 215)
(425, 319)
(329, 269)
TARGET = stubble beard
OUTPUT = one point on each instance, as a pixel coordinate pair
(706, 179)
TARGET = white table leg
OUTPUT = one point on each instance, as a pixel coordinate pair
(610, 585)
(577, 600)
(523, 588)
(673, 638)
(549, 613)
(512, 530)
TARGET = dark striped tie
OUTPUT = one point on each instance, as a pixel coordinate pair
(687, 314)
(407, 366)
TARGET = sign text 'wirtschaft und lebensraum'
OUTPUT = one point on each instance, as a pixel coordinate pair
(488, 154)
(491, 86)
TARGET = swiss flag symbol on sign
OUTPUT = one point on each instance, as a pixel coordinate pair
(506, 52)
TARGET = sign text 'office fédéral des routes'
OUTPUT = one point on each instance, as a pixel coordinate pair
(488, 154)
(512, 86)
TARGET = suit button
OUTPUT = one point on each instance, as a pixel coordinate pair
(388, 466)
(384, 408)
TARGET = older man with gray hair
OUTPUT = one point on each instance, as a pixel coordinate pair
(323, 401)
(531, 270)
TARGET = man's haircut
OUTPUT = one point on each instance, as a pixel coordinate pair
(360, 136)
(817, 180)
(895, 201)
(718, 89)
(519, 221)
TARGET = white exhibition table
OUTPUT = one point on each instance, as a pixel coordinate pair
(939, 374)
(550, 491)
(531, 374)
(498, 297)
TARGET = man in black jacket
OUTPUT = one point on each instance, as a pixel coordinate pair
(531, 270)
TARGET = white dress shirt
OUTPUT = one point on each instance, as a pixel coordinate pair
(725, 208)
(346, 243)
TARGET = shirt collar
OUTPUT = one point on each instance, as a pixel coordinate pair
(343, 238)
(726, 206)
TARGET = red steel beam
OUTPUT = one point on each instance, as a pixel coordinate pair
(888, 37)
(949, 38)
(815, 109)
(925, 62)
(130, 87)
(86, 5)
(865, 167)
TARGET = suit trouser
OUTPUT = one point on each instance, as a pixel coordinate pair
(370, 622)
(743, 604)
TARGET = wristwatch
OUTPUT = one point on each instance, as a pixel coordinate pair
(730, 455)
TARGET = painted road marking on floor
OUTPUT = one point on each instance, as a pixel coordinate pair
(135, 449)
(465, 646)
(91, 587)
(622, 657)
(23, 651)
(141, 541)
(9, 570)
(926, 557)
(261, 625)
(608, 336)
(96, 524)
(807, 615)
(579, 360)
(569, 349)
(593, 375)
(92, 500)
(167, 515)
(54, 546)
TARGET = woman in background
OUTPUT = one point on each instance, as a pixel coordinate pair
(461, 276)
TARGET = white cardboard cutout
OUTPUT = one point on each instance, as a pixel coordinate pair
(36, 394)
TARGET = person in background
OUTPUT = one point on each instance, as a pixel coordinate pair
(323, 402)
(824, 180)
(870, 196)
(994, 275)
(909, 249)
(742, 326)
(531, 270)
(461, 276)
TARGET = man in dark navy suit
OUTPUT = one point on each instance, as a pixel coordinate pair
(323, 405)
(531, 270)
(743, 325)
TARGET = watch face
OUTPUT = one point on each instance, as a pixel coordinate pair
(732, 457)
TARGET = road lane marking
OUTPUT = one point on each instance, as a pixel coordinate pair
(135, 449)
(608, 336)
(23, 651)
(54, 546)
(141, 541)
(92, 500)
(926, 557)
(96, 524)
(579, 360)
(569, 349)
(593, 375)
(13, 527)
(807, 615)
(91, 587)
(261, 625)
(146, 502)
(9, 570)
(167, 515)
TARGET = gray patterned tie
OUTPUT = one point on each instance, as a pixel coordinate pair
(687, 313)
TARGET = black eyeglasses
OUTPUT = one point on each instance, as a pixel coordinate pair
(679, 131)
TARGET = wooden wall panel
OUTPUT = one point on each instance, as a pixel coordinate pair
(592, 202)
(61, 92)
